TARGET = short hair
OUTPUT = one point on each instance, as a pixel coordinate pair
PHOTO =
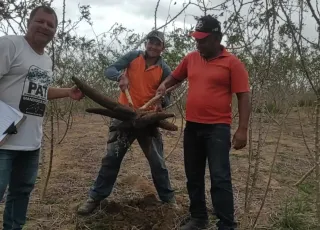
(46, 9)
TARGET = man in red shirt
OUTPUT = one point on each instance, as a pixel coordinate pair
(214, 75)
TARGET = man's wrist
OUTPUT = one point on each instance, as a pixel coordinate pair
(119, 77)
(165, 85)
(241, 127)
(68, 92)
(54, 93)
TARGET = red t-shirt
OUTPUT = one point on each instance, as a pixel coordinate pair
(211, 85)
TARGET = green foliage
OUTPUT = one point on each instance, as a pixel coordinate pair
(271, 108)
(179, 43)
(297, 212)
(306, 103)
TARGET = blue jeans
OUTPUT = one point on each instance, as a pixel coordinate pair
(18, 169)
(212, 142)
(152, 146)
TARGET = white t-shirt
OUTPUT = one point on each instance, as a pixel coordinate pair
(25, 77)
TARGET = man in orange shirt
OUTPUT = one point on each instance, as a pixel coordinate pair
(145, 70)
(214, 75)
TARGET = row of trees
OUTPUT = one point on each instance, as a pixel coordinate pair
(272, 37)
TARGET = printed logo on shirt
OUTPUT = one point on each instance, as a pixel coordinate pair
(34, 94)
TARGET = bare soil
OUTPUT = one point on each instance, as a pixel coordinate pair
(133, 203)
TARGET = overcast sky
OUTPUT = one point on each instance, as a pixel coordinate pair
(139, 15)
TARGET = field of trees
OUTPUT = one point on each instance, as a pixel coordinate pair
(276, 177)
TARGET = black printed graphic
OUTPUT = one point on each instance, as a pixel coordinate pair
(34, 94)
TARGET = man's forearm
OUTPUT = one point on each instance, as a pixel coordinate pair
(170, 81)
(112, 73)
(55, 93)
(244, 109)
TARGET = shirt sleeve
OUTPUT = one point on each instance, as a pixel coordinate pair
(113, 72)
(7, 51)
(181, 72)
(239, 77)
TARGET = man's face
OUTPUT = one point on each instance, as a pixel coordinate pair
(42, 27)
(207, 46)
(154, 47)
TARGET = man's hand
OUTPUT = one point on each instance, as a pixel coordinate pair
(75, 93)
(240, 139)
(124, 82)
(161, 90)
(158, 107)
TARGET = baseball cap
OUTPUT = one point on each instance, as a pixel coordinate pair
(156, 34)
(206, 25)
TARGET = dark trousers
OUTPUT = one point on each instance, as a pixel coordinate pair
(152, 147)
(19, 170)
(212, 142)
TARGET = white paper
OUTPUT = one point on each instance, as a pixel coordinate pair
(8, 115)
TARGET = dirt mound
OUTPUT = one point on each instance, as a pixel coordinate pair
(145, 214)
(137, 184)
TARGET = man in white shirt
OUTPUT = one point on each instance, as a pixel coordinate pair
(25, 78)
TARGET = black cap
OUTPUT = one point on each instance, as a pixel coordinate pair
(156, 34)
(206, 25)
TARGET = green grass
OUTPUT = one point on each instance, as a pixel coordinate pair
(298, 212)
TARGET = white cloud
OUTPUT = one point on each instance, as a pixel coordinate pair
(138, 15)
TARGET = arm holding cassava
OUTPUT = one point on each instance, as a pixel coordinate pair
(165, 74)
(56, 93)
(113, 72)
(7, 55)
(73, 93)
(176, 77)
(170, 81)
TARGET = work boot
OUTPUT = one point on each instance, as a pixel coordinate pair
(195, 224)
(88, 207)
(172, 203)
(222, 227)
